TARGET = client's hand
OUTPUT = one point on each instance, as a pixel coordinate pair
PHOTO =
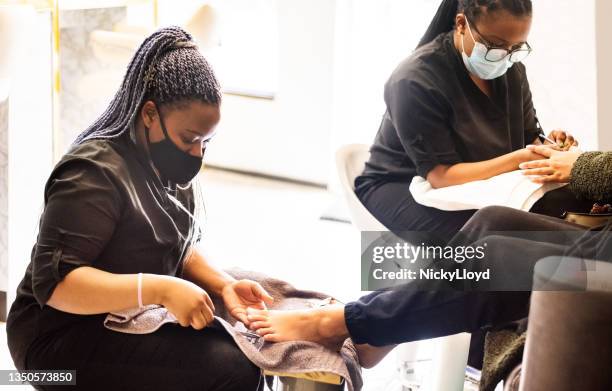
(556, 168)
(564, 141)
(189, 303)
(242, 294)
(527, 154)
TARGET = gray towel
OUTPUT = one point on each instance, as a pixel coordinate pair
(295, 357)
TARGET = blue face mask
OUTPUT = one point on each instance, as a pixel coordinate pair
(478, 65)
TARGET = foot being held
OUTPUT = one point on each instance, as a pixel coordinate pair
(323, 325)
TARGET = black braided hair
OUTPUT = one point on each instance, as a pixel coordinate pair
(444, 20)
(168, 69)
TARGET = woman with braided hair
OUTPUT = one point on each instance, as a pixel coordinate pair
(459, 109)
(119, 230)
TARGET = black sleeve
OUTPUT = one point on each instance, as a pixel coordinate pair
(82, 208)
(531, 123)
(420, 116)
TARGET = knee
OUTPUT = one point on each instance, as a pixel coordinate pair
(491, 218)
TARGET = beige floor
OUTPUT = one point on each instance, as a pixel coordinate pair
(274, 227)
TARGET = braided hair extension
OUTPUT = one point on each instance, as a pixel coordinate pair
(167, 68)
(444, 20)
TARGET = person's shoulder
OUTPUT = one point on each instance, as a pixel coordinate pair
(427, 66)
(100, 150)
(519, 69)
(102, 158)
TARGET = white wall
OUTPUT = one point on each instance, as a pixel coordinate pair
(372, 37)
(30, 149)
(562, 68)
(604, 73)
(288, 136)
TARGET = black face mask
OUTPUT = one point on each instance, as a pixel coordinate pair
(173, 163)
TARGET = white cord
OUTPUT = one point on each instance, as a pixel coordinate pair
(140, 290)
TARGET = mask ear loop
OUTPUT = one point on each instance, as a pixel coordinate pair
(467, 23)
(161, 122)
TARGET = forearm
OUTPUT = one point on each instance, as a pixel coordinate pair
(87, 290)
(591, 176)
(458, 174)
(199, 271)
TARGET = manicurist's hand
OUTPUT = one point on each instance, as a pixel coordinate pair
(242, 294)
(564, 141)
(189, 303)
(553, 167)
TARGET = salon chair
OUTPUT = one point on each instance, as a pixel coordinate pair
(350, 162)
(432, 365)
(569, 338)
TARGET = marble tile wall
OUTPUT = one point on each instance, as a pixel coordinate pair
(88, 83)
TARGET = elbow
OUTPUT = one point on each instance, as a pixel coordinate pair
(42, 294)
(438, 177)
(437, 183)
(53, 301)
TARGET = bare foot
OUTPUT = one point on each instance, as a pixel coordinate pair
(370, 355)
(323, 325)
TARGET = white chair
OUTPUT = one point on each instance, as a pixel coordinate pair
(432, 365)
(350, 161)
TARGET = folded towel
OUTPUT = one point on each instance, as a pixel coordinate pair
(299, 358)
(511, 189)
(143, 320)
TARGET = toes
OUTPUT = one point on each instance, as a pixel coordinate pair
(265, 331)
(256, 317)
(271, 338)
(259, 325)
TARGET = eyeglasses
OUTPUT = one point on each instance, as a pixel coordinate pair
(495, 53)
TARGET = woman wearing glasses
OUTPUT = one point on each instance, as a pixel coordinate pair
(459, 109)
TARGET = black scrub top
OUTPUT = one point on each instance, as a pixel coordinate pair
(104, 207)
(437, 115)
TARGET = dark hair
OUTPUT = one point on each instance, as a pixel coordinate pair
(444, 20)
(168, 69)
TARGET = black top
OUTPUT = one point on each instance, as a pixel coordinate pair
(436, 114)
(104, 207)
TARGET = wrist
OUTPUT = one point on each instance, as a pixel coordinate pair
(154, 288)
(227, 284)
(519, 156)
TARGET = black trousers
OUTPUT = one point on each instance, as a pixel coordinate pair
(172, 358)
(410, 313)
(393, 205)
